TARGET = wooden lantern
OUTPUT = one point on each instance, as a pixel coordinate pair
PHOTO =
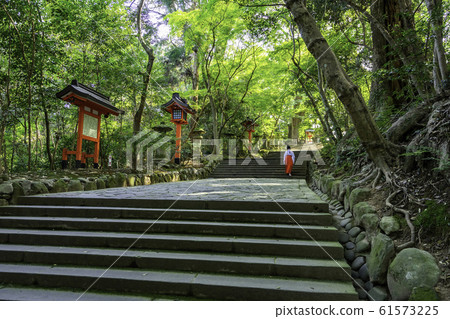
(178, 109)
(92, 105)
(249, 125)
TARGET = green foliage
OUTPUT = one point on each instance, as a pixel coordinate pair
(434, 219)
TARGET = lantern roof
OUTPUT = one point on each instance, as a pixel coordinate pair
(180, 102)
(249, 122)
(82, 95)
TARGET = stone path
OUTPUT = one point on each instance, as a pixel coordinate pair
(239, 189)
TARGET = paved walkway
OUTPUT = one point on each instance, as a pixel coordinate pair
(238, 189)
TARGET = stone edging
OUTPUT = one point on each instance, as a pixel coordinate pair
(378, 272)
(11, 190)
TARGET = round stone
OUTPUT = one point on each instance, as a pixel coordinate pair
(368, 285)
(362, 294)
(348, 226)
(349, 245)
(364, 273)
(361, 236)
(349, 255)
(358, 262)
(362, 246)
(354, 231)
(343, 238)
(344, 222)
(355, 274)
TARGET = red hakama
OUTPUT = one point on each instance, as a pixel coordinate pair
(289, 163)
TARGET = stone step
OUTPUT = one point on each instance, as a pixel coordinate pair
(177, 261)
(302, 218)
(202, 286)
(172, 227)
(255, 176)
(261, 205)
(39, 294)
(174, 242)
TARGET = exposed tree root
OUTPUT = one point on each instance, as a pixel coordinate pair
(377, 179)
(369, 177)
(406, 214)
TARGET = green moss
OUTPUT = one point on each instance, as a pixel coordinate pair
(423, 294)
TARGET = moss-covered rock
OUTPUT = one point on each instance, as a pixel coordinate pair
(411, 268)
(389, 224)
(121, 180)
(358, 195)
(101, 183)
(60, 186)
(75, 185)
(17, 192)
(90, 186)
(111, 181)
(423, 294)
(3, 202)
(362, 246)
(38, 188)
(131, 180)
(335, 187)
(147, 180)
(6, 190)
(360, 209)
(370, 224)
(382, 253)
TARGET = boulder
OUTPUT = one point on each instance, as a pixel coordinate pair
(370, 223)
(383, 250)
(360, 209)
(389, 224)
(378, 294)
(4, 177)
(358, 195)
(90, 186)
(335, 186)
(38, 188)
(25, 184)
(6, 190)
(75, 185)
(100, 183)
(131, 180)
(411, 268)
(17, 192)
(121, 180)
(59, 186)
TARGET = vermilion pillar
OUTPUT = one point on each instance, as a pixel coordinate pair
(178, 144)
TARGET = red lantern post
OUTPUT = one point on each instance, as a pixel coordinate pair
(178, 108)
(92, 105)
(249, 125)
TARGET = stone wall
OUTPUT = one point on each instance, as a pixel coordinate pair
(11, 188)
(379, 272)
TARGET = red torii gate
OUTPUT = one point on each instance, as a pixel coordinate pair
(92, 105)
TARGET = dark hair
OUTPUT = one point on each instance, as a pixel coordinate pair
(288, 147)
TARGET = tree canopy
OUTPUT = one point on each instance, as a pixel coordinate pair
(229, 59)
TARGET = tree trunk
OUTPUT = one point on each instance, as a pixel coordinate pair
(408, 53)
(328, 109)
(145, 79)
(436, 17)
(371, 138)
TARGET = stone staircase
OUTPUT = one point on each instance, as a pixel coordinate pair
(270, 167)
(54, 248)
